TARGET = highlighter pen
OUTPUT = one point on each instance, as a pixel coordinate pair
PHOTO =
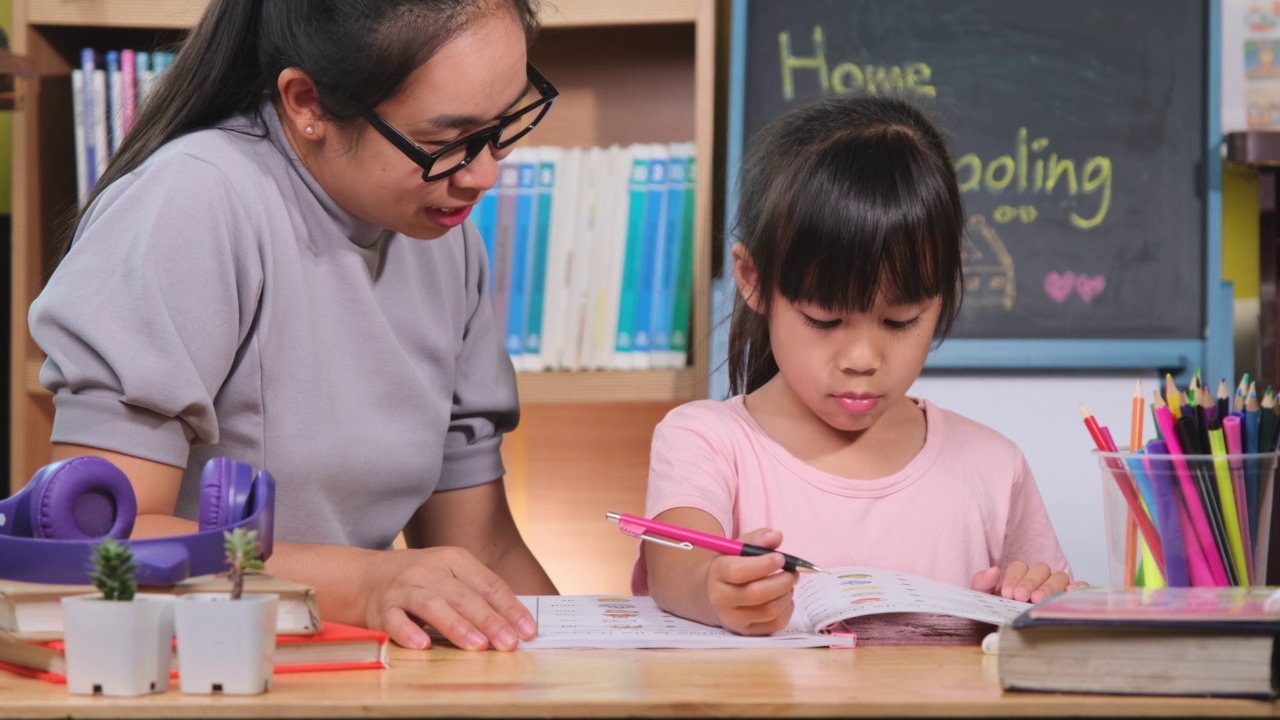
(686, 539)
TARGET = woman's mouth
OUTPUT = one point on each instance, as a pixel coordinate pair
(449, 217)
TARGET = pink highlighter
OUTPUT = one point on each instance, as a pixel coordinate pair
(686, 539)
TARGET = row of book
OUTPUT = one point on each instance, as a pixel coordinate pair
(106, 91)
(591, 251)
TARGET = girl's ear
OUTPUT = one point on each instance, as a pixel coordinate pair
(302, 112)
(746, 276)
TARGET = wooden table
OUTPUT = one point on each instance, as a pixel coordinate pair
(867, 682)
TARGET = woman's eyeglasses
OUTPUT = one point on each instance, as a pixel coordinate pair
(459, 153)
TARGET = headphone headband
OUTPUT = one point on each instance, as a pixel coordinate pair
(160, 561)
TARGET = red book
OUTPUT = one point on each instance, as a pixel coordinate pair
(335, 647)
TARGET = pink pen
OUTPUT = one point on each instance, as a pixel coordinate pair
(686, 539)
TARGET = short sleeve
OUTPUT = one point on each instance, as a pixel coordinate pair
(1029, 535)
(142, 320)
(691, 464)
(485, 405)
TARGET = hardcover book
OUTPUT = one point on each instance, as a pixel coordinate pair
(1169, 641)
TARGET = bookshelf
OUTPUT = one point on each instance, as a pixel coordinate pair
(628, 70)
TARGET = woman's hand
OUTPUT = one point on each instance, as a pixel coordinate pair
(448, 589)
(748, 594)
(1026, 583)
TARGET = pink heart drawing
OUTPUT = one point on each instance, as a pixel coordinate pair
(1059, 286)
(1089, 287)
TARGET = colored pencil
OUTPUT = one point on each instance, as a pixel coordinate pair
(1121, 475)
(1203, 564)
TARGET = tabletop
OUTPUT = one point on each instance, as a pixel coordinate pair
(863, 682)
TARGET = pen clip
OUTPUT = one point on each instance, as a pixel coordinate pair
(637, 530)
(664, 541)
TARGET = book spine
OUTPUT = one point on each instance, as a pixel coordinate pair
(655, 206)
(680, 314)
(77, 116)
(638, 190)
(88, 65)
(115, 102)
(534, 311)
(101, 139)
(520, 252)
(486, 216)
(128, 90)
(508, 184)
(664, 295)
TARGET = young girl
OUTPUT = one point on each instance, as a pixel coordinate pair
(848, 271)
(277, 267)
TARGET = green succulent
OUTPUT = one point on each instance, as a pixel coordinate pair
(243, 553)
(113, 570)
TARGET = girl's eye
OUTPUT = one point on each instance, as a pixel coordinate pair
(902, 324)
(820, 324)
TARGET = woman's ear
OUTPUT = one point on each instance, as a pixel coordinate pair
(301, 104)
(747, 278)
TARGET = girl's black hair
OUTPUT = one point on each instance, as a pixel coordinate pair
(359, 53)
(840, 201)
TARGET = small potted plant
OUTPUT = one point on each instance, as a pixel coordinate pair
(227, 642)
(117, 642)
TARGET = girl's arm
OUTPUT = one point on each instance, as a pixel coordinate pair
(748, 595)
(390, 590)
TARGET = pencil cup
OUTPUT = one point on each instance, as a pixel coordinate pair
(1188, 520)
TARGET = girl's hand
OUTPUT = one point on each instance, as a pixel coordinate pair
(748, 594)
(1024, 583)
(448, 589)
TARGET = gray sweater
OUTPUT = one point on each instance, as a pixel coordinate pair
(216, 302)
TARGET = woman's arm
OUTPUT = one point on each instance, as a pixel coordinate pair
(478, 519)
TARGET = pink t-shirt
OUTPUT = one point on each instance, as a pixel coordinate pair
(966, 502)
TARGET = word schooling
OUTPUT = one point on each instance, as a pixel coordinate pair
(1027, 169)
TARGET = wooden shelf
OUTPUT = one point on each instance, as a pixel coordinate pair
(184, 13)
(556, 387)
(611, 386)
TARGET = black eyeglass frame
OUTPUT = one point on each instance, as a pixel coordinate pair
(476, 141)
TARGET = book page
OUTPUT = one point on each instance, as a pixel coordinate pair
(619, 621)
(838, 594)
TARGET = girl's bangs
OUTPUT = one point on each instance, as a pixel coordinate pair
(843, 244)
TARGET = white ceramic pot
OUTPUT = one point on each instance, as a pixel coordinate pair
(118, 647)
(225, 645)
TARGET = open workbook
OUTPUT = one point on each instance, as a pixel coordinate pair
(832, 609)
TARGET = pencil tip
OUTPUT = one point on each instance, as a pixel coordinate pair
(1084, 412)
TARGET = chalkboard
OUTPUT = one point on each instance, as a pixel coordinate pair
(1079, 133)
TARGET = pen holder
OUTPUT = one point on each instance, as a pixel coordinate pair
(1189, 520)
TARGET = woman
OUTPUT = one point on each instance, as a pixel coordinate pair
(277, 267)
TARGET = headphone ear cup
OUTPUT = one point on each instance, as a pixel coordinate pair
(82, 498)
(225, 487)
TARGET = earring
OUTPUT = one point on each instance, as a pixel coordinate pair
(310, 130)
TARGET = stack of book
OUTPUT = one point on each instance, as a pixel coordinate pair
(31, 627)
(1170, 641)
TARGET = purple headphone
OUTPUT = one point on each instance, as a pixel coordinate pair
(49, 528)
